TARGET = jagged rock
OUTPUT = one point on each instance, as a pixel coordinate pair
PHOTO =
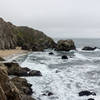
(87, 93)
(64, 57)
(89, 48)
(8, 90)
(22, 85)
(2, 59)
(15, 69)
(7, 37)
(35, 73)
(65, 45)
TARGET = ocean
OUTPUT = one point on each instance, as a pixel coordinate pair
(65, 78)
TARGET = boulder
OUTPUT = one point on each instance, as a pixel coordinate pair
(87, 93)
(65, 45)
(15, 69)
(87, 48)
(35, 73)
(22, 85)
(51, 53)
(64, 57)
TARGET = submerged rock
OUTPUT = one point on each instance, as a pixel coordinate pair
(65, 45)
(51, 53)
(35, 73)
(87, 93)
(47, 93)
(64, 57)
(87, 48)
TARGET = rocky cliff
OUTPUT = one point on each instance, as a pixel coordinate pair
(25, 37)
(15, 88)
(7, 37)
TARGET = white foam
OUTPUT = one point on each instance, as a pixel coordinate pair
(65, 84)
(80, 56)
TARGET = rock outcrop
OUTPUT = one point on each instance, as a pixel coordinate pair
(29, 38)
(7, 37)
(22, 85)
(65, 45)
(8, 90)
(13, 89)
(15, 69)
(25, 37)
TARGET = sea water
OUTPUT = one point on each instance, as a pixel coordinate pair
(65, 78)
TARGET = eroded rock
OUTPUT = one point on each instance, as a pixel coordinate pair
(65, 45)
(22, 85)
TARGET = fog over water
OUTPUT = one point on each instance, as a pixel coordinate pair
(57, 18)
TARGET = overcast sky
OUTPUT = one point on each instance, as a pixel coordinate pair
(56, 18)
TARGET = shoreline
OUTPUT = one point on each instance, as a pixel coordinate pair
(7, 54)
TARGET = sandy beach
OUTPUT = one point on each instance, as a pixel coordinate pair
(6, 53)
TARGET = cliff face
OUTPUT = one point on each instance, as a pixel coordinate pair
(28, 38)
(8, 91)
(7, 38)
(15, 88)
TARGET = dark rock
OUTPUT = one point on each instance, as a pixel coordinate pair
(87, 48)
(15, 69)
(26, 69)
(25, 47)
(57, 71)
(51, 53)
(64, 57)
(35, 73)
(27, 97)
(2, 59)
(47, 93)
(87, 93)
(65, 45)
(91, 99)
(37, 48)
(22, 85)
